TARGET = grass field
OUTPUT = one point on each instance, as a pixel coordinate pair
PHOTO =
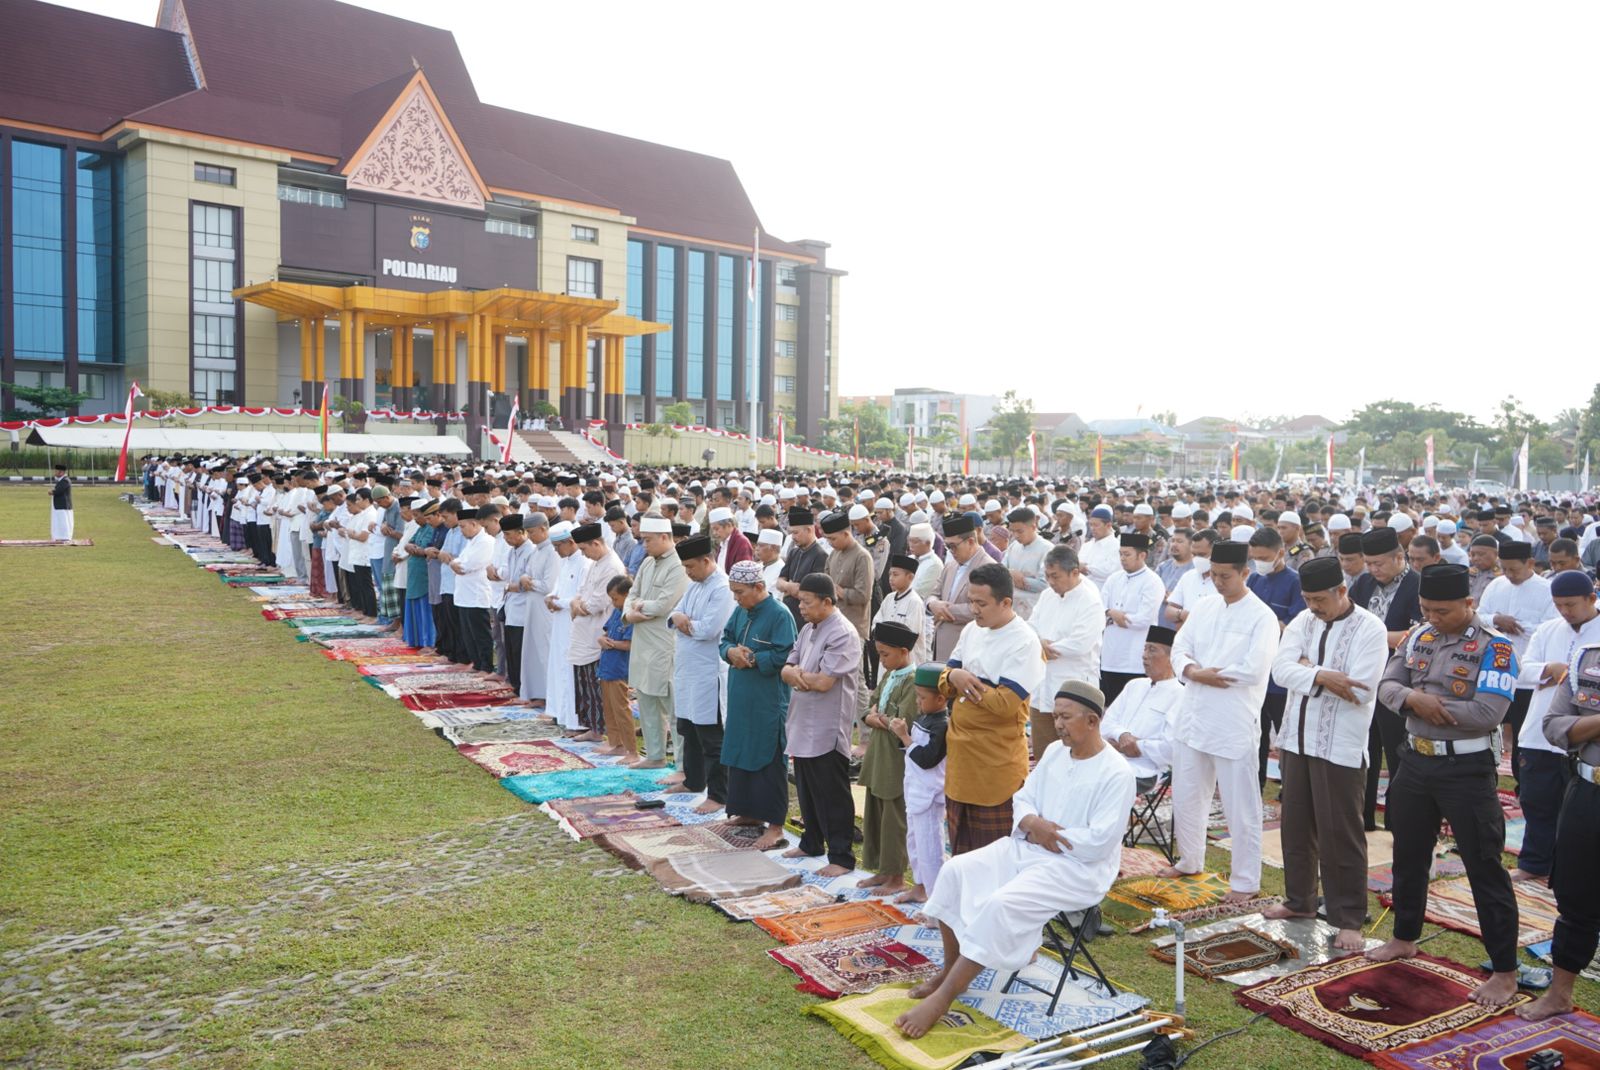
(221, 850)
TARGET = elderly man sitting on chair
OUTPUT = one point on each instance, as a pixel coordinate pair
(1063, 853)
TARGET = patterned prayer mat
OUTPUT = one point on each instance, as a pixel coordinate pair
(1541, 951)
(484, 696)
(442, 719)
(700, 878)
(595, 816)
(1083, 1001)
(638, 849)
(1380, 847)
(742, 837)
(1216, 910)
(1142, 895)
(833, 921)
(511, 759)
(522, 731)
(1359, 1006)
(577, 783)
(1504, 1044)
(773, 904)
(868, 1022)
(1139, 862)
(1381, 879)
(1450, 904)
(859, 963)
(1228, 951)
(1311, 938)
(46, 542)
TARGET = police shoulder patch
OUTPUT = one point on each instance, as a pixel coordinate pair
(1497, 671)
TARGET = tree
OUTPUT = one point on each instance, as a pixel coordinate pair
(44, 401)
(1589, 427)
(679, 412)
(156, 400)
(877, 438)
(1010, 425)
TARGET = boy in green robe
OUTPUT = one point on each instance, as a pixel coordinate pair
(883, 767)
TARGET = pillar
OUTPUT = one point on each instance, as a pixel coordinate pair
(444, 363)
(475, 413)
(400, 370)
(308, 373)
(347, 360)
(611, 390)
(538, 365)
(358, 355)
(319, 361)
(574, 354)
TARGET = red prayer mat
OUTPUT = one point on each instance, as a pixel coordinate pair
(833, 921)
(859, 963)
(510, 759)
(1505, 1043)
(1359, 1006)
(599, 814)
(457, 700)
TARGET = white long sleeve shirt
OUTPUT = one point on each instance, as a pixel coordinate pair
(1101, 558)
(1239, 638)
(1139, 595)
(1555, 640)
(1316, 722)
(472, 582)
(1145, 710)
(1071, 626)
(1529, 602)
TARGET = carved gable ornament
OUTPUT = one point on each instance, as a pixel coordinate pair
(413, 152)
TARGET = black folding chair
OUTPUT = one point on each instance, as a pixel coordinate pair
(1145, 824)
(1068, 941)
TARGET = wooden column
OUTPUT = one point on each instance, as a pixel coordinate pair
(611, 390)
(308, 373)
(319, 360)
(347, 360)
(538, 365)
(358, 355)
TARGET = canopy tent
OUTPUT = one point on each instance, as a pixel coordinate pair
(201, 440)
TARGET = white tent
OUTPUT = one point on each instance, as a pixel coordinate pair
(200, 440)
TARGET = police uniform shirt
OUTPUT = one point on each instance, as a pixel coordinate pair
(1474, 674)
(1578, 696)
(1298, 554)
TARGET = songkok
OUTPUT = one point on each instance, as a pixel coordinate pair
(770, 537)
(562, 531)
(681, 531)
(801, 518)
(1338, 522)
(905, 561)
(1571, 584)
(511, 522)
(586, 533)
(1445, 583)
(857, 512)
(819, 584)
(694, 546)
(1024, 515)
(1143, 509)
(721, 515)
(1100, 512)
(1516, 551)
(1486, 540)
(1400, 522)
(1321, 574)
(833, 523)
(1136, 541)
(1084, 693)
(927, 675)
(748, 572)
(1230, 553)
(655, 525)
(1159, 635)
(1380, 541)
(1290, 517)
(893, 633)
(958, 526)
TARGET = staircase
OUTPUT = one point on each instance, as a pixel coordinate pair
(583, 449)
(549, 449)
(523, 452)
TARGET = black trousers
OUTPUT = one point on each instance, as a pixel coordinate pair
(1541, 790)
(1384, 740)
(1112, 683)
(701, 760)
(1515, 715)
(869, 663)
(476, 639)
(362, 596)
(1576, 878)
(827, 807)
(444, 615)
(450, 644)
(1463, 791)
(1271, 720)
(513, 653)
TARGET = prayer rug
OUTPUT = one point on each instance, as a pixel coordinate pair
(773, 904)
(833, 921)
(1450, 904)
(1359, 1006)
(858, 963)
(681, 805)
(47, 542)
(1541, 951)
(1142, 895)
(844, 887)
(742, 837)
(1216, 910)
(1138, 862)
(1381, 879)
(510, 759)
(458, 699)
(867, 1021)
(640, 848)
(1083, 1001)
(1503, 1044)
(442, 719)
(1228, 951)
(1380, 846)
(1311, 938)
(578, 783)
(501, 732)
(700, 878)
(595, 816)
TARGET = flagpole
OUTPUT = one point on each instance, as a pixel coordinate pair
(752, 384)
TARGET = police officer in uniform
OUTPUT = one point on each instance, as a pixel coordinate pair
(1453, 679)
(1573, 722)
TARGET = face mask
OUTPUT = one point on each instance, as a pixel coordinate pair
(1202, 565)
(1264, 568)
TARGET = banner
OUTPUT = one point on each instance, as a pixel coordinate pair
(1033, 455)
(966, 458)
(1361, 467)
(1522, 466)
(1585, 484)
(217, 410)
(1429, 473)
(322, 419)
(810, 451)
(856, 452)
(127, 418)
(511, 430)
(782, 451)
(1330, 460)
(1277, 465)
(1099, 450)
(911, 448)
(1474, 476)
(1233, 464)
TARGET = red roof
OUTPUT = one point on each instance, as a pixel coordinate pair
(314, 76)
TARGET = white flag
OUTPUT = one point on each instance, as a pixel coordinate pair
(1585, 484)
(1522, 466)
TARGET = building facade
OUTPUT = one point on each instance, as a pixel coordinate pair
(237, 206)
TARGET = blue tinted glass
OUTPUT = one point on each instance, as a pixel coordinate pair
(727, 293)
(695, 342)
(666, 312)
(97, 256)
(633, 348)
(38, 274)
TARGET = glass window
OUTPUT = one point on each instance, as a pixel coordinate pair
(695, 340)
(783, 384)
(633, 348)
(785, 274)
(785, 348)
(666, 312)
(38, 275)
(98, 261)
(93, 384)
(583, 277)
(510, 227)
(317, 198)
(212, 350)
(729, 273)
(209, 172)
(587, 234)
(788, 313)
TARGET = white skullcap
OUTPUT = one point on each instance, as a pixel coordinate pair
(770, 537)
(923, 531)
(858, 512)
(1143, 509)
(1182, 511)
(1338, 522)
(655, 525)
(721, 515)
(968, 499)
(885, 502)
(788, 494)
(991, 506)
(865, 501)
(936, 497)
(767, 499)
(1447, 527)
(547, 502)
(1401, 522)
(907, 500)
(1429, 521)
(1290, 517)
(560, 531)
(919, 517)
(1243, 511)
(1240, 533)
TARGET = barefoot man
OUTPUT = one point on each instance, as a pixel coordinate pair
(698, 670)
(1223, 654)
(1329, 662)
(1453, 678)
(883, 767)
(822, 672)
(756, 643)
(1573, 723)
(1062, 854)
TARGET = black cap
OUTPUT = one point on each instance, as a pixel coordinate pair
(692, 547)
(1136, 541)
(586, 533)
(511, 522)
(1380, 541)
(1350, 543)
(1230, 553)
(1486, 540)
(1516, 551)
(893, 633)
(959, 525)
(1445, 583)
(681, 531)
(1321, 574)
(835, 522)
(1158, 634)
(905, 561)
(801, 518)
(819, 584)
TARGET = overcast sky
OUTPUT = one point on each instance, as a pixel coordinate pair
(1220, 209)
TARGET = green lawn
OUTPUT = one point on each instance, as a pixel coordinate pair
(284, 869)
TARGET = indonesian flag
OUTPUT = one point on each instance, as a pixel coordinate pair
(781, 449)
(127, 431)
(1033, 454)
(322, 419)
(489, 433)
(1099, 449)
(511, 430)
(1330, 460)
(1429, 441)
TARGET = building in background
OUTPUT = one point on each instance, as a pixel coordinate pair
(254, 197)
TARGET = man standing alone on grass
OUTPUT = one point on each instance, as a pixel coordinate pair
(61, 506)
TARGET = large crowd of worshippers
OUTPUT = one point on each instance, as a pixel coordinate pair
(1003, 665)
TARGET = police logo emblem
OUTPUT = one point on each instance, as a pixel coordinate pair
(1469, 647)
(1462, 671)
(421, 232)
(1459, 688)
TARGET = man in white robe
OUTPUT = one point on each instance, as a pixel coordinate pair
(537, 581)
(1070, 620)
(1062, 855)
(560, 696)
(1139, 723)
(699, 675)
